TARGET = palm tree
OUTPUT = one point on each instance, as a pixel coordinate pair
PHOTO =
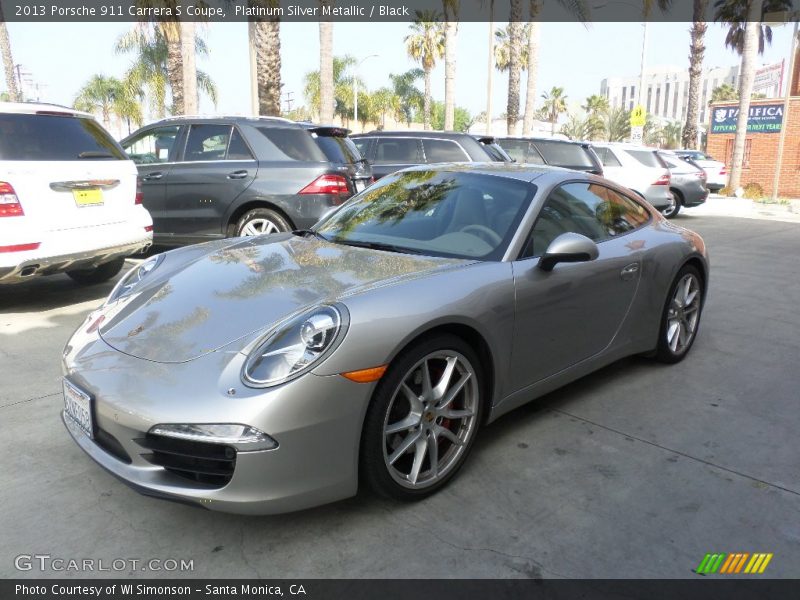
(514, 66)
(502, 48)
(342, 89)
(672, 134)
(109, 97)
(618, 124)
(747, 36)
(450, 32)
(8, 61)
(578, 128)
(555, 103)
(697, 50)
(724, 93)
(411, 99)
(189, 67)
(426, 45)
(596, 105)
(268, 66)
(384, 101)
(326, 88)
(148, 73)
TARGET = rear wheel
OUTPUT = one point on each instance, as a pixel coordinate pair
(98, 274)
(423, 419)
(260, 221)
(681, 316)
(673, 209)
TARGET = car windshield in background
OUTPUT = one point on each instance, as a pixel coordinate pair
(438, 213)
(648, 158)
(55, 138)
(566, 155)
(339, 149)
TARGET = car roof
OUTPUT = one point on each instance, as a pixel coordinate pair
(623, 146)
(32, 108)
(226, 119)
(541, 139)
(418, 134)
(521, 172)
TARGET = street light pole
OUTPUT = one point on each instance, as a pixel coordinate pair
(355, 85)
(786, 97)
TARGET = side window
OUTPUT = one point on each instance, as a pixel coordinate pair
(207, 142)
(237, 149)
(363, 145)
(153, 146)
(607, 157)
(288, 143)
(590, 209)
(517, 149)
(443, 151)
(393, 151)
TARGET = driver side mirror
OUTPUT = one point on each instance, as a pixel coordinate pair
(568, 247)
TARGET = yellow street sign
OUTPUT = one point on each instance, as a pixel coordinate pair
(638, 116)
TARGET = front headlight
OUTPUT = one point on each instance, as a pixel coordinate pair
(294, 347)
(134, 277)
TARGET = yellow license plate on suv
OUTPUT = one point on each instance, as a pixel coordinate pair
(90, 197)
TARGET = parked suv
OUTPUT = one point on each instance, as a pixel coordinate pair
(68, 196)
(390, 151)
(638, 168)
(687, 183)
(716, 171)
(577, 156)
(209, 178)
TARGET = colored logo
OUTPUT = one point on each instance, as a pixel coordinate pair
(735, 563)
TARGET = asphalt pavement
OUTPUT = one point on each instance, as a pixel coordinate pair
(638, 470)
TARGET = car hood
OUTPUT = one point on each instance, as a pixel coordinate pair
(197, 302)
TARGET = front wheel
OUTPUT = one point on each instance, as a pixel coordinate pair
(261, 221)
(423, 419)
(97, 274)
(681, 316)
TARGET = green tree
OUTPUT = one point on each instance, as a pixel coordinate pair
(462, 118)
(555, 103)
(425, 44)
(385, 101)
(618, 124)
(411, 98)
(578, 128)
(724, 93)
(672, 134)
(102, 95)
(502, 48)
(342, 88)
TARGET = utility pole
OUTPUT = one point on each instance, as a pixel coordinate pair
(288, 99)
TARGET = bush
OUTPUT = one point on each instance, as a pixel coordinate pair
(753, 191)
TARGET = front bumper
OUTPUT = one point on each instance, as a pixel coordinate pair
(316, 421)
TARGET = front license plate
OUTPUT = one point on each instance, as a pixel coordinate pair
(360, 185)
(78, 408)
(90, 197)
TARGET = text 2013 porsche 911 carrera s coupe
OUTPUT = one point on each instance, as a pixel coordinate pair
(273, 373)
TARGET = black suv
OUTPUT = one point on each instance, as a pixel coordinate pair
(208, 178)
(390, 151)
(578, 156)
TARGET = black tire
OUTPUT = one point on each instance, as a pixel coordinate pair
(673, 211)
(262, 215)
(98, 274)
(664, 353)
(374, 467)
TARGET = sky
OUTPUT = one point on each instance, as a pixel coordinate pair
(61, 57)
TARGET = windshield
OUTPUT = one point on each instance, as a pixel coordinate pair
(437, 213)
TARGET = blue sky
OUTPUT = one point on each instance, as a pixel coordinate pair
(63, 56)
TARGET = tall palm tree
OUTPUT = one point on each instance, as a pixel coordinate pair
(697, 50)
(747, 36)
(326, 89)
(595, 105)
(425, 44)
(555, 103)
(342, 89)
(8, 61)
(411, 99)
(450, 32)
(385, 101)
(618, 124)
(189, 67)
(502, 48)
(265, 45)
(514, 66)
(109, 97)
(148, 73)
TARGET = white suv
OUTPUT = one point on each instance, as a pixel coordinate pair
(638, 168)
(69, 196)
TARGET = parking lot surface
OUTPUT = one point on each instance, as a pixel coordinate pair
(638, 470)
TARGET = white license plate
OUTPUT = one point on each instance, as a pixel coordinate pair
(78, 408)
(360, 185)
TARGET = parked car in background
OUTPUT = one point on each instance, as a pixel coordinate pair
(638, 168)
(279, 373)
(390, 151)
(69, 201)
(687, 183)
(210, 178)
(716, 171)
(578, 156)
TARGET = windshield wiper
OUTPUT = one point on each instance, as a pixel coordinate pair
(379, 246)
(310, 232)
(95, 154)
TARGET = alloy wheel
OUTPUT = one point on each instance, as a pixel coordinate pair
(259, 227)
(683, 314)
(430, 419)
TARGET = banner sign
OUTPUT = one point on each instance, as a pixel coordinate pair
(763, 118)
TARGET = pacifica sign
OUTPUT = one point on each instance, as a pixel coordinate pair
(763, 118)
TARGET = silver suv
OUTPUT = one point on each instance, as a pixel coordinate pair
(638, 168)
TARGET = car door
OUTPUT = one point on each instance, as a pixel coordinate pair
(573, 312)
(216, 167)
(154, 150)
(395, 153)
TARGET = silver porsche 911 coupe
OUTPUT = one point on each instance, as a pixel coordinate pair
(273, 373)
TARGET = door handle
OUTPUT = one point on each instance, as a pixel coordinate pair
(153, 176)
(629, 272)
(238, 174)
